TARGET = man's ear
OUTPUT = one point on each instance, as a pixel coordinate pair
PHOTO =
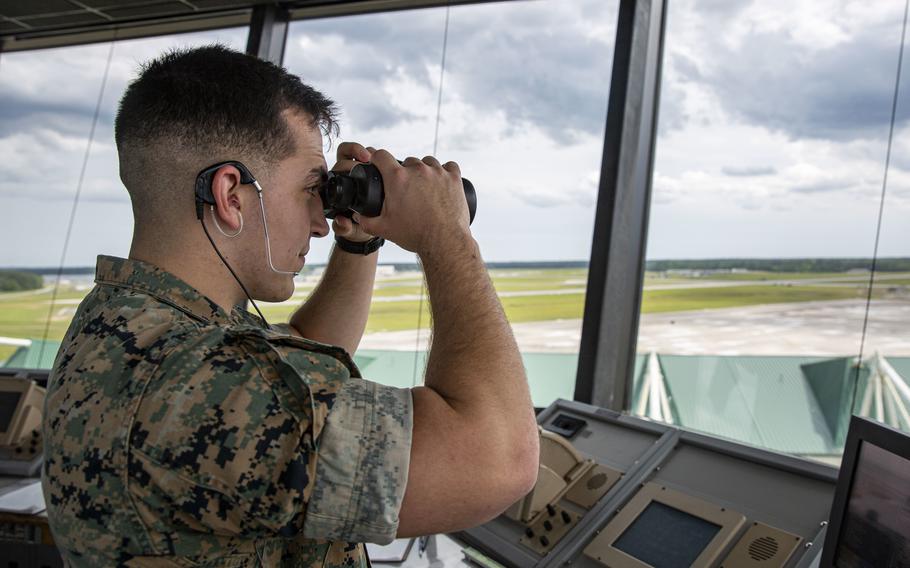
(226, 190)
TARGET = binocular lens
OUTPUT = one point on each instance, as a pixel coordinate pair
(361, 191)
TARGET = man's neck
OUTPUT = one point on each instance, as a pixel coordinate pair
(212, 280)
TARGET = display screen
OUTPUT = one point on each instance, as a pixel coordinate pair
(665, 537)
(8, 403)
(874, 531)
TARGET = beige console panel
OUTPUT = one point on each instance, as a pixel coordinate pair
(21, 402)
(603, 548)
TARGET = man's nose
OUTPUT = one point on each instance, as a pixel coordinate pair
(319, 226)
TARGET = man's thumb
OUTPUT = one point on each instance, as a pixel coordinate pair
(368, 224)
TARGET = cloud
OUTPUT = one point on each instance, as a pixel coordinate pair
(748, 171)
(534, 63)
(821, 186)
(18, 114)
(583, 192)
(47, 103)
(810, 71)
(771, 121)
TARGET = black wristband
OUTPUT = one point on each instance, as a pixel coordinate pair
(364, 248)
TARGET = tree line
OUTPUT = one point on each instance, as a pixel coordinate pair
(18, 281)
(784, 264)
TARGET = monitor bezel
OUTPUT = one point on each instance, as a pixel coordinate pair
(861, 431)
(25, 387)
(729, 521)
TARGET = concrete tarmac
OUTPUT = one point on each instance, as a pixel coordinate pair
(807, 328)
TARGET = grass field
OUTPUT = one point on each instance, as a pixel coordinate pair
(757, 275)
(713, 298)
(25, 315)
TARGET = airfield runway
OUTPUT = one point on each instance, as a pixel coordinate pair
(806, 328)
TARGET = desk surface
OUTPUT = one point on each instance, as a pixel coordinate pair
(441, 552)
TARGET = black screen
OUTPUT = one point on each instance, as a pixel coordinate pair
(665, 537)
(8, 403)
(875, 525)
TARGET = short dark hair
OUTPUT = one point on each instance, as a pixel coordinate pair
(197, 96)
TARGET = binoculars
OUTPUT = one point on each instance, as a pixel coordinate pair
(360, 190)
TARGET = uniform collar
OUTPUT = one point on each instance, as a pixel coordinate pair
(161, 284)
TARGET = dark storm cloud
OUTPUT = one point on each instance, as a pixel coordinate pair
(349, 58)
(532, 61)
(20, 114)
(557, 80)
(843, 92)
(840, 92)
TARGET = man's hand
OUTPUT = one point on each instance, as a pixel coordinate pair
(349, 154)
(424, 208)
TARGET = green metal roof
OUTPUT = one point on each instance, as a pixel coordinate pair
(638, 377)
(27, 357)
(901, 365)
(550, 375)
(798, 405)
(834, 384)
(763, 401)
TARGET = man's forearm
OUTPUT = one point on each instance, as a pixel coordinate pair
(474, 362)
(337, 311)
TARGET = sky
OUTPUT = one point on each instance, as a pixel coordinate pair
(773, 125)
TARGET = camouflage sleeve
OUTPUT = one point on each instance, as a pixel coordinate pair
(362, 466)
(217, 446)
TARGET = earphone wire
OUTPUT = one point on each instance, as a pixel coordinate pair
(265, 228)
(234, 274)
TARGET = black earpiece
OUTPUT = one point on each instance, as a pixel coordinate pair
(204, 195)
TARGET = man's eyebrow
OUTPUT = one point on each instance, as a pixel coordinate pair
(319, 172)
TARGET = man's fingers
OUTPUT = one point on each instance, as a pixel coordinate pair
(352, 151)
(452, 167)
(385, 161)
(411, 161)
(431, 161)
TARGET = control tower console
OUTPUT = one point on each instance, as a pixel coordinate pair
(619, 491)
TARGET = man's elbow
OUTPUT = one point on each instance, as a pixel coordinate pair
(518, 473)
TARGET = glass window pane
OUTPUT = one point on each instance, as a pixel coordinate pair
(773, 126)
(885, 395)
(47, 103)
(523, 109)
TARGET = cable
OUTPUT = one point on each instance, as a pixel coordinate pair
(442, 71)
(69, 228)
(234, 274)
(423, 282)
(265, 229)
(881, 205)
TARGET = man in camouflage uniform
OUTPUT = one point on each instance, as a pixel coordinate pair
(180, 430)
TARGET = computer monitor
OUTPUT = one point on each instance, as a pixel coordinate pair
(870, 515)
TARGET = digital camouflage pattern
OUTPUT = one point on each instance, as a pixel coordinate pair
(177, 434)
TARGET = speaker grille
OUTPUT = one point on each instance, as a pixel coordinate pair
(763, 548)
